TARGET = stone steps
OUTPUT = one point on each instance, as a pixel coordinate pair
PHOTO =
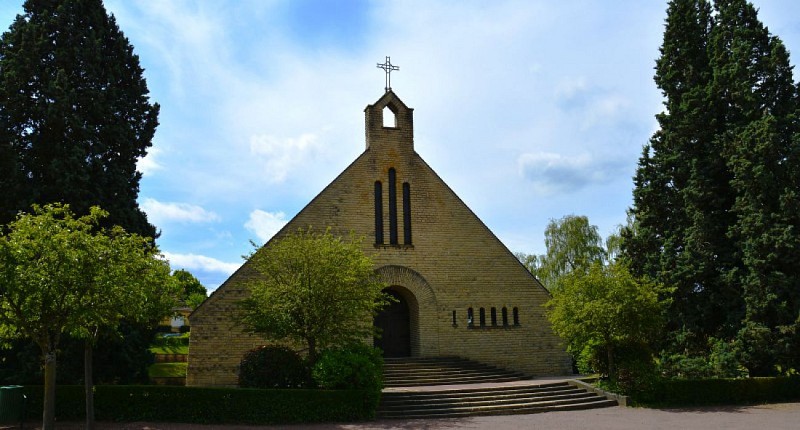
(497, 400)
(442, 371)
(481, 390)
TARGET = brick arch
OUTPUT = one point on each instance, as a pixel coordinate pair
(422, 300)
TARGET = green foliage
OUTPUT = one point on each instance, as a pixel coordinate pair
(193, 292)
(75, 113)
(603, 312)
(719, 359)
(273, 366)
(194, 300)
(313, 288)
(197, 405)
(572, 245)
(355, 366)
(63, 275)
(693, 392)
(716, 204)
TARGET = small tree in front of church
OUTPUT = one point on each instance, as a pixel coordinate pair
(312, 288)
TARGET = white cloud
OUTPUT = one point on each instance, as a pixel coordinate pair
(282, 155)
(200, 262)
(265, 224)
(552, 173)
(159, 212)
(148, 164)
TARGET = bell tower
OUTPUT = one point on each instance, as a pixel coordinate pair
(390, 124)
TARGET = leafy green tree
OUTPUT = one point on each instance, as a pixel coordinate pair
(530, 261)
(189, 284)
(715, 198)
(312, 288)
(603, 310)
(62, 275)
(75, 115)
(572, 245)
(194, 293)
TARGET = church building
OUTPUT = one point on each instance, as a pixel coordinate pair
(460, 291)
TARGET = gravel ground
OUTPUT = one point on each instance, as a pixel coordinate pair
(766, 417)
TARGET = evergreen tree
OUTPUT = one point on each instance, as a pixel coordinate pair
(678, 184)
(753, 78)
(74, 113)
(715, 198)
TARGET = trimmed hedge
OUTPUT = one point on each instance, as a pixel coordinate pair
(199, 405)
(688, 392)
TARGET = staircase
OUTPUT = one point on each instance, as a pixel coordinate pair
(415, 372)
(454, 387)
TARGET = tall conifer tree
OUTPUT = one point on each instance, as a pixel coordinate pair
(762, 150)
(74, 111)
(716, 191)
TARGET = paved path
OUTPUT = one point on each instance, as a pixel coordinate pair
(781, 416)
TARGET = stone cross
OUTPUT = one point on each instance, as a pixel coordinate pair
(388, 67)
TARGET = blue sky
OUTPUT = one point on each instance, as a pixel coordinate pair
(530, 110)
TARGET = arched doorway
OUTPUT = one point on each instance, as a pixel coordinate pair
(394, 323)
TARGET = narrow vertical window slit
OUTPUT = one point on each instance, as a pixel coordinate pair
(406, 213)
(378, 213)
(392, 207)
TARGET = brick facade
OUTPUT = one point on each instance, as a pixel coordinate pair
(452, 263)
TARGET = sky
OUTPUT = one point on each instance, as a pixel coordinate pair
(529, 110)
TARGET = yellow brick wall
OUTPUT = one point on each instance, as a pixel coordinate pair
(453, 263)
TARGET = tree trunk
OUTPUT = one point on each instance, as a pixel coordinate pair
(312, 350)
(88, 383)
(49, 410)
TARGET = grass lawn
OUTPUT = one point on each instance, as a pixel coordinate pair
(167, 370)
(170, 349)
(170, 344)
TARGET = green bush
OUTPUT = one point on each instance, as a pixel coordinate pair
(273, 367)
(355, 366)
(689, 392)
(198, 405)
(352, 367)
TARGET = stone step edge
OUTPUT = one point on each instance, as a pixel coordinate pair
(503, 409)
(425, 397)
(455, 376)
(526, 386)
(456, 381)
(471, 402)
(621, 400)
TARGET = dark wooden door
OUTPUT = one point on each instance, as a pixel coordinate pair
(394, 323)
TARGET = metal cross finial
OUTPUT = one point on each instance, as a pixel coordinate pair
(388, 67)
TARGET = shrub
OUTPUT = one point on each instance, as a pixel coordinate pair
(690, 392)
(273, 367)
(198, 405)
(352, 367)
(355, 366)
